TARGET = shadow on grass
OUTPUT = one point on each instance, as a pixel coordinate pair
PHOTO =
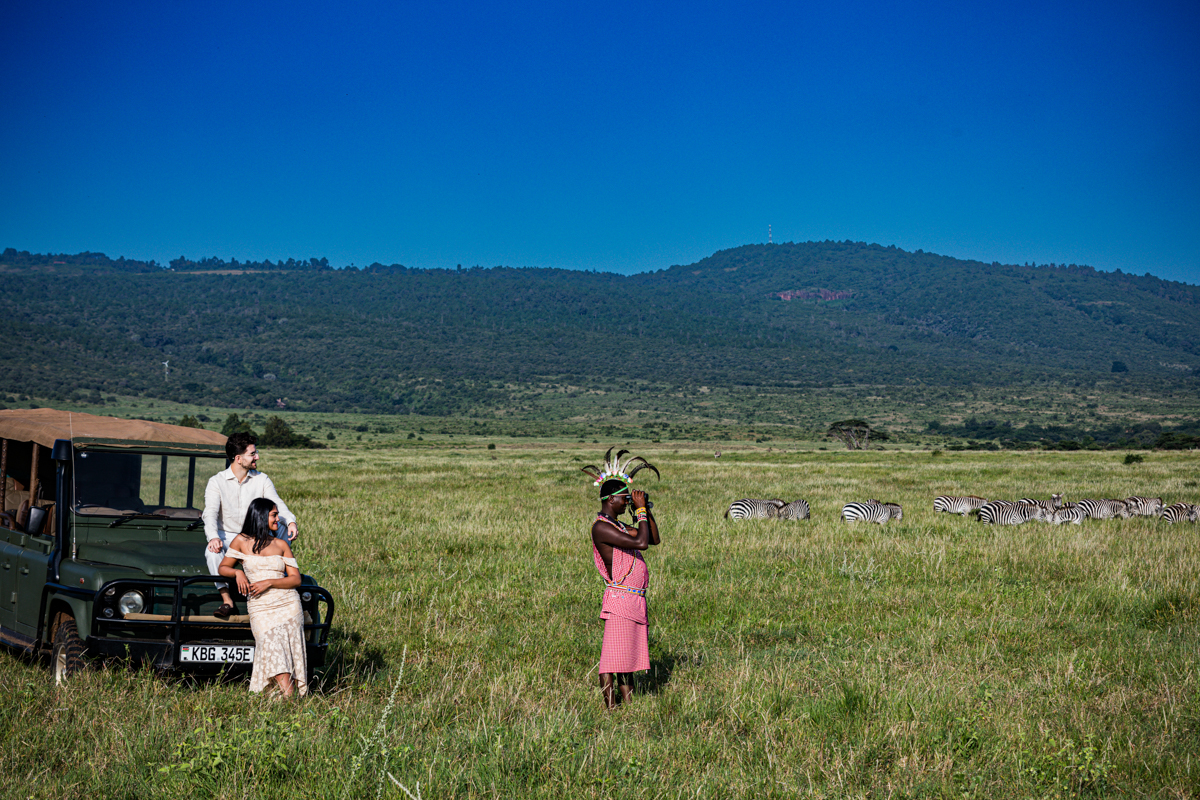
(348, 662)
(662, 667)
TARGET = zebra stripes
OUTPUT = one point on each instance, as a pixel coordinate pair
(1004, 512)
(1053, 504)
(1069, 513)
(1104, 509)
(958, 505)
(871, 511)
(754, 509)
(797, 509)
(1181, 512)
(1144, 506)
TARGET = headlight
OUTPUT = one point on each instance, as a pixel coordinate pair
(306, 597)
(131, 603)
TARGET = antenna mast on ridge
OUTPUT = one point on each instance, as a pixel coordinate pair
(768, 233)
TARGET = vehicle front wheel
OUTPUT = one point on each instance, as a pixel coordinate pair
(66, 658)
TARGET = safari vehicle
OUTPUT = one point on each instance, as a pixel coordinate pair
(102, 546)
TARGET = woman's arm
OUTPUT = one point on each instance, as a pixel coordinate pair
(228, 569)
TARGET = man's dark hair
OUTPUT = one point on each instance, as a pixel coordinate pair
(612, 486)
(236, 445)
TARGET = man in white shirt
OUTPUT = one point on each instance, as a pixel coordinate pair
(226, 499)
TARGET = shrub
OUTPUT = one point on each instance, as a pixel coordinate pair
(279, 434)
(1134, 458)
(235, 425)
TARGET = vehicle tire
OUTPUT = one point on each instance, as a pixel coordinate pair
(66, 657)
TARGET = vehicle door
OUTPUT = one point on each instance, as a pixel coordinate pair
(10, 559)
(33, 561)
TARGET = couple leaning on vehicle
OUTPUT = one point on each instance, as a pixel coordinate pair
(246, 521)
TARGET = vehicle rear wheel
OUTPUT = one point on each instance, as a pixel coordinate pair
(66, 658)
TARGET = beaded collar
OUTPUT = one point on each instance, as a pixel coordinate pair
(600, 515)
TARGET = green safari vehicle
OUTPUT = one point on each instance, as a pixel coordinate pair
(102, 547)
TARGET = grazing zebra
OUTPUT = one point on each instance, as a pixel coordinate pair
(895, 509)
(1181, 512)
(1144, 506)
(795, 510)
(1104, 509)
(870, 511)
(1005, 512)
(754, 509)
(1054, 503)
(958, 505)
(1069, 513)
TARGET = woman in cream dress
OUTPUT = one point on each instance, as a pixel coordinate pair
(268, 578)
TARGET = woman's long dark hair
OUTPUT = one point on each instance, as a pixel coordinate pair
(257, 525)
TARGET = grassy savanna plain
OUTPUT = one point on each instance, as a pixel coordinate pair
(928, 657)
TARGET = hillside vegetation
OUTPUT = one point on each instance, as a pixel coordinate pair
(473, 341)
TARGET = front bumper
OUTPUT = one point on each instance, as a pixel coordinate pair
(179, 612)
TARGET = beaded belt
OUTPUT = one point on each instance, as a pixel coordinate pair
(631, 589)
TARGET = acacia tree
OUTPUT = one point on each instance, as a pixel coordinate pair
(855, 433)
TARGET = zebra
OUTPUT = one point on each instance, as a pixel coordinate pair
(1144, 506)
(870, 511)
(958, 505)
(1181, 512)
(895, 509)
(1104, 509)
(795, 510)
(1005, 512)
(1048, 506)
(1069, 513)
(754, 509)
(1053, 504)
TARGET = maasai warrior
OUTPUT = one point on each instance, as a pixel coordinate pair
(616, 549)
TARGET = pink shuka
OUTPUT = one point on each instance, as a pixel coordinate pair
(626, 646)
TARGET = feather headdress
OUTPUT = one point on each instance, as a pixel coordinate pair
(614, 469)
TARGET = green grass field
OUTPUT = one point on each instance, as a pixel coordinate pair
(930, 657)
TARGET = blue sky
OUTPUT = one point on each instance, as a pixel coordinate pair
(614, 136)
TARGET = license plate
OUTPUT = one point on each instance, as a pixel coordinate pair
(217, 654)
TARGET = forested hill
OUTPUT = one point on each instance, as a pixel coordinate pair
(381, 339)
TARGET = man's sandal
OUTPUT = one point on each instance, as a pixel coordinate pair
(224, 611)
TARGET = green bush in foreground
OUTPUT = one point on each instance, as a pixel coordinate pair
(930, 657)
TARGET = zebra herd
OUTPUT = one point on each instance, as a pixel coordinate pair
(1057, 512)
(991, 512)
(869, 511)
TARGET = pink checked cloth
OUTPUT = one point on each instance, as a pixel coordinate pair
(626, 646)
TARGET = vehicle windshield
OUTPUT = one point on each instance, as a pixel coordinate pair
(119, 483)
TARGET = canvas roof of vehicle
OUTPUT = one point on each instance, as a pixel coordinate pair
(45, 425)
